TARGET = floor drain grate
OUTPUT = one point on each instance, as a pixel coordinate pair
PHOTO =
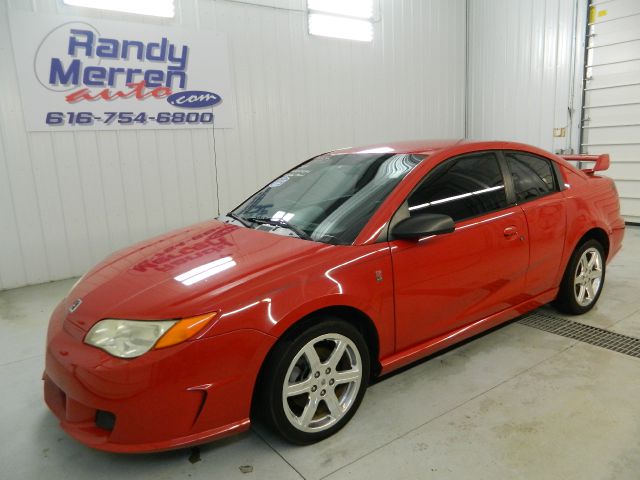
(584, 333)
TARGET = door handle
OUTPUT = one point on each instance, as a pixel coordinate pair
(510, 232)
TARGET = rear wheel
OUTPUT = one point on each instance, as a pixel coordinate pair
(313, 383)
(583, 280)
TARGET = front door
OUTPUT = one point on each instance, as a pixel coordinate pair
(444, 282)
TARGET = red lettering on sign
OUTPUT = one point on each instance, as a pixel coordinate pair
(138, 91)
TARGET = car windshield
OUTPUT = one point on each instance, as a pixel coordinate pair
(329, 198)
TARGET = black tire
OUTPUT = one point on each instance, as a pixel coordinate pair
(568, 299)
(280, 367)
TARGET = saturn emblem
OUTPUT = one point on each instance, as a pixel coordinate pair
(74, 306)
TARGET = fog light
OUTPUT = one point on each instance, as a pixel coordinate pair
(105, 420)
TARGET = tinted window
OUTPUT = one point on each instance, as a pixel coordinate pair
(331, 197)
(532, 176)
(462, 188)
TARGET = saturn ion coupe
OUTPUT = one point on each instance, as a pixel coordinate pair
(347, 267)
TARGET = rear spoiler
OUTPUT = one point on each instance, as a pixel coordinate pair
(602, 161)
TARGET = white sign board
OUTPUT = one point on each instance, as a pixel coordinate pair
(88, 74)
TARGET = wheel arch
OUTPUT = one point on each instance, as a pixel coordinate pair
(565, 300)
(347, 313)
(594, 232)
(359, 319)
(599, 234)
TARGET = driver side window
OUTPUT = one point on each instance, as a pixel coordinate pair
(462, 188)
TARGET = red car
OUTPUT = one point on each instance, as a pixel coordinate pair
(352, 264)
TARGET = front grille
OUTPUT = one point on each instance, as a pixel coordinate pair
(105, 420)
(599, 337)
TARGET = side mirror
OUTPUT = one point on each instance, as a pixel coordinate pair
(423, 225)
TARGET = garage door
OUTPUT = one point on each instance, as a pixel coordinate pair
(611, 116)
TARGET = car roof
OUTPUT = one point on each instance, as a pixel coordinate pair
(415, 146)
(428, 147)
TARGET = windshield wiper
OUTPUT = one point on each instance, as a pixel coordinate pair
(243, 221)
(281, 223)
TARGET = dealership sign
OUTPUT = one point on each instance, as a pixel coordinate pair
(87, 74)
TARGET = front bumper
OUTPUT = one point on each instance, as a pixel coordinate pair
(170, 398)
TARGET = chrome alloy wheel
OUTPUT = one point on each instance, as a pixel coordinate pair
(588, 277)
(322, 382)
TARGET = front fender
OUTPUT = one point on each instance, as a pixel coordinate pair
(359, 277)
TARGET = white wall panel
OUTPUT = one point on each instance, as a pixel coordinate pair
(520, 70)
(69, 199)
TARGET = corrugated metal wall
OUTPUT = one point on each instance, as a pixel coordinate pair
(611, 120)
(69, 199)
(521, 70)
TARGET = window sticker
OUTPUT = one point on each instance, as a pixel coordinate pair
(298, 172)
(279, 182)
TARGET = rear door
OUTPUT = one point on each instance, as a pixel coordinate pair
(537, 191)
(444, 282)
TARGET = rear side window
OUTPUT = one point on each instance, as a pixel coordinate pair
(463, 187)
(533, 176)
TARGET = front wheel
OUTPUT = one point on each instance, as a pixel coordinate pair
(315, 381)
(583, 280)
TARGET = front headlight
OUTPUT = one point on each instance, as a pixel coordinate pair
(132, 338)
(127, 338)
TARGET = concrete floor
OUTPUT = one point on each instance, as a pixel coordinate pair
(515, 403)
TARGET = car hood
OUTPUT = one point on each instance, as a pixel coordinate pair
(178, 274)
